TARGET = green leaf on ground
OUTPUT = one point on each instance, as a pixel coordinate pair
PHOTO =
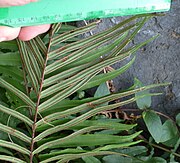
(145, 102)
(90, 159)
(169, 131)
(102, 90)
(160, 132)
(156, 160)
(117, 159)
(178, 119)
(154, 125)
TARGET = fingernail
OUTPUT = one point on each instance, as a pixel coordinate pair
(2, 39)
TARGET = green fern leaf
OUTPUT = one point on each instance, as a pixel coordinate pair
(51, 69)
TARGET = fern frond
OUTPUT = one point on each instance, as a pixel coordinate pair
(54, 68)
(15, 133)
(14, 146)
(16, 114)
(17, 92)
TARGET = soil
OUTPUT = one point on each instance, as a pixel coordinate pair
(157, 62)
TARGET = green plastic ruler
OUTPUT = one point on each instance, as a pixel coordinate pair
(52, 11)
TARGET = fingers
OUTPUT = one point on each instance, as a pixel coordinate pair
(24, 33)
(28, 33)
(7, 33)
(7, 3)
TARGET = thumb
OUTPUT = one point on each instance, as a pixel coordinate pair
(7, 33)
(7, 3)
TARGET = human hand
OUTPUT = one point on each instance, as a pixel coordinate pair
(23, 33)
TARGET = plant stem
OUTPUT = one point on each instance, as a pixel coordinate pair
(24, 76)
(159, 147)
(38, 101)
(164, 149)
(138, 110)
